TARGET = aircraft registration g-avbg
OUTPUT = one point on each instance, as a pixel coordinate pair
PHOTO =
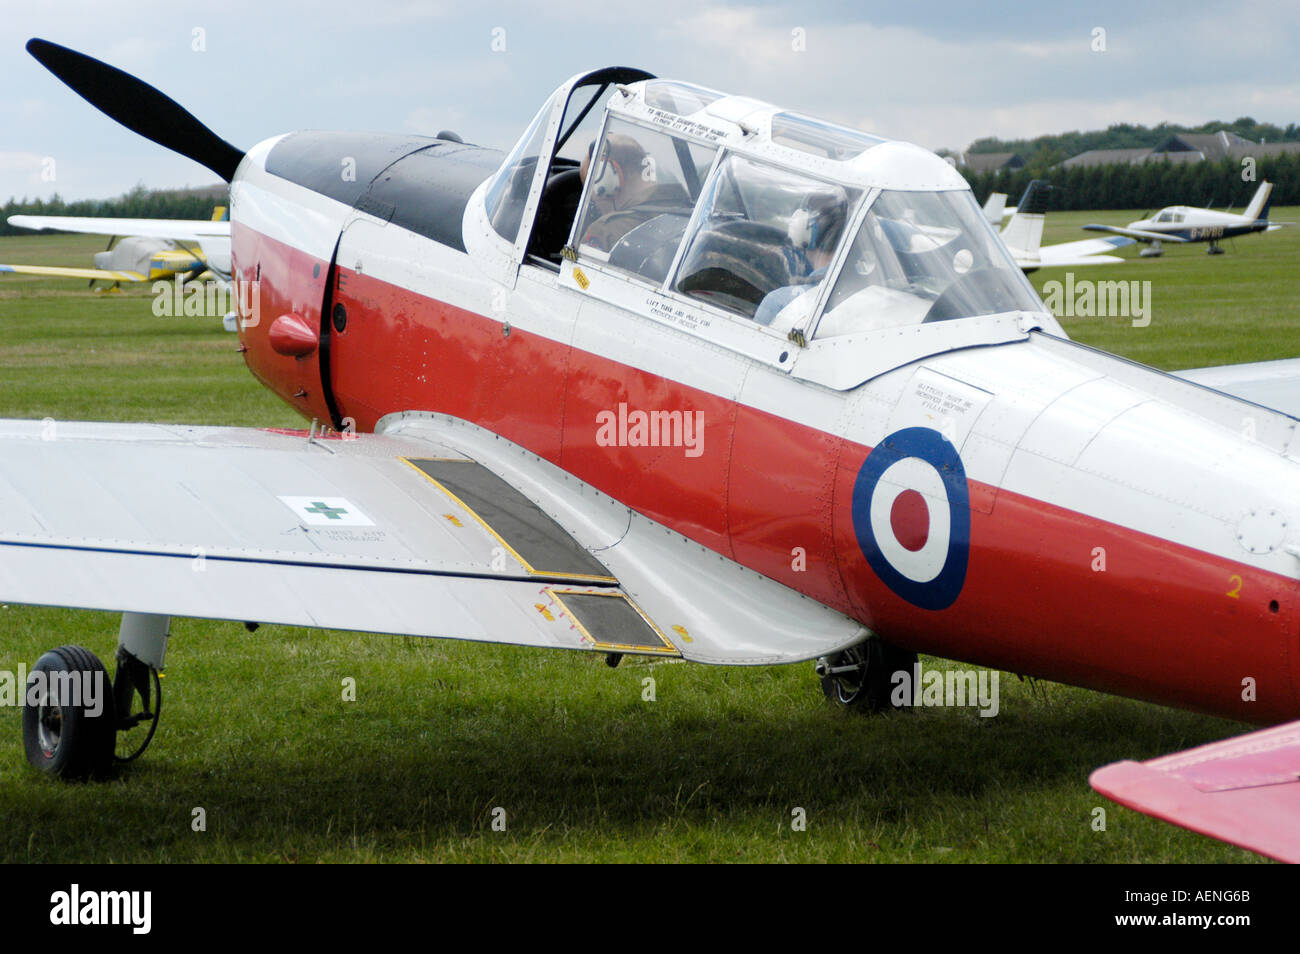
(682, 374)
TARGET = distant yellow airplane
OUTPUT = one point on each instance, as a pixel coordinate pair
(149, 250)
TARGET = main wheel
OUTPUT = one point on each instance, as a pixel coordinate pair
(69, 722)
(861, 677)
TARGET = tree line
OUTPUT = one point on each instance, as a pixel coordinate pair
(1150, 185)
(139, 203)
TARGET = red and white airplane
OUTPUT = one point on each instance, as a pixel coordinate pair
(682, 374)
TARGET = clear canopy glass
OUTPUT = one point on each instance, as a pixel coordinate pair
(643, 186)
(924, 256)
(820, 138)
(763, 238)
(682, 99)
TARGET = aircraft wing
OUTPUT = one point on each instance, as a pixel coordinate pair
(192, 230)
(1138, 234)
(1245, 791)
(1083, 252)
(434, 528)
(1274, 384)
(56, 271)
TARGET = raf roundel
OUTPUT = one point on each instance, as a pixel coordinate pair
(911, 514)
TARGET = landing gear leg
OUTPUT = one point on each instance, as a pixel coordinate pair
(1214, 249)
(861, 677)
(141, 650)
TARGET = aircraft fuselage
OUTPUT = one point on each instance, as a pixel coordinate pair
(1034, 505)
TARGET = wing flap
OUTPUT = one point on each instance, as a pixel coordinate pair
(368, 599)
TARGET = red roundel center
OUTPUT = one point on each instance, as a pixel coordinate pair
(909, 518)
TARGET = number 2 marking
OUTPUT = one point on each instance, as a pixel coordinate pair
(1235, 592)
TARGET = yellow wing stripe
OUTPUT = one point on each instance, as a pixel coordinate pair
(55, 271)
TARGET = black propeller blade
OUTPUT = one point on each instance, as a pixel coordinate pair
(137, 106)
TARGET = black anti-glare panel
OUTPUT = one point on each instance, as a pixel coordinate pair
(531, 533)
(613, 621)
(417, 182)
(429, 189)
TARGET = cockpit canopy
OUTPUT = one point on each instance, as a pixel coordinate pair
(733, 206)
(923, 256)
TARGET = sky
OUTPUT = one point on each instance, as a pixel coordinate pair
(937, 74)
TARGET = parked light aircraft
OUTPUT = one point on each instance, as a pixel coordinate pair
(147, 250)
(1183, 223)
(684, 375)
(1023, 236)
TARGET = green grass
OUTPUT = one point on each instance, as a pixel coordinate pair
(1206, 310)
(255, 730)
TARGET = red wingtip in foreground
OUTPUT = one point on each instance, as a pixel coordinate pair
(1245, 791)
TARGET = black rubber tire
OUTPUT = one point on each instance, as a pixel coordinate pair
(67, 741)
(873, 693)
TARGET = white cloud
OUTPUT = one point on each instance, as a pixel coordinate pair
(945, 92)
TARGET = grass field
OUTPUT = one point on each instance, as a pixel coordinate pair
(254, 730)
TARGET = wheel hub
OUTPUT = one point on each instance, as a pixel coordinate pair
(49, 721)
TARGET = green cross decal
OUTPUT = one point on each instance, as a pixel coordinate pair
(333, 513)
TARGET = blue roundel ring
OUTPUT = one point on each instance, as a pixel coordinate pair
(933, 449)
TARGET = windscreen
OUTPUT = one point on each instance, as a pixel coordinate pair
(508, 192)
(920, 257)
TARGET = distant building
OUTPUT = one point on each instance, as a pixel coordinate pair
(1261, 149)
(1210, 146)
(998, 162)
(1184, 147)
(1108, 157)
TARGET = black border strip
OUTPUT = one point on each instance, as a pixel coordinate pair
(560, 580)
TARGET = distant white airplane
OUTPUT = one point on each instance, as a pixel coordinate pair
(1184, 223)
(1023, 236)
